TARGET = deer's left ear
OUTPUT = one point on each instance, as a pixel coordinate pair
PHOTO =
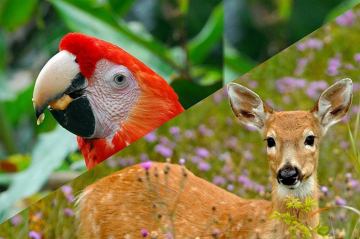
(333, 103)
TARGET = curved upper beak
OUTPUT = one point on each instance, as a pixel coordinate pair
(60, 87)
(54, 80)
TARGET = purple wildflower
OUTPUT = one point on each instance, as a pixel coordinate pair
(353, 183)
(301, 46)
(70, 198)
(204, 166)
(66, 189)
(151, 137)
(68, 212)
(301, 64)
(344, 144)
(357, 57)
(146, 165)
(289, 84)
(34, 235)
(230, 187)
(219, 180)
(144, 232)
(216, 232)
(202, 152)
(333, 65)
(346, 19)
(205, 131)
(16, 220)
(259, 188)
(174, 131)
(168, 235)
(314, 88)
(54, 202)
(340, 201)
(181, 161)
(324, 189)
(38, 215)
(314, 43)
(163, 150)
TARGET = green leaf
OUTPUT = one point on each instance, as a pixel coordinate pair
(121, 7)
(235, 63)
(191, 93)
(211, 34)
(15, 13)
(323, 230)
(140, 43)
(45, 158)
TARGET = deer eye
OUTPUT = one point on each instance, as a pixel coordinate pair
(310, 140)
(270, 142)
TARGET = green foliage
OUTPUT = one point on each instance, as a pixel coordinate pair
(199, 47)
(15, 13)
(297, 225)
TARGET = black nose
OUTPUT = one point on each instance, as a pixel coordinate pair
(288, 175)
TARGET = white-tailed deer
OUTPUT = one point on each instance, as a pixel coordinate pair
(169, 201)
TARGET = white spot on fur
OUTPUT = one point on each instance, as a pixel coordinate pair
(301, 189)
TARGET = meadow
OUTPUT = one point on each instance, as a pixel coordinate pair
(212, 144)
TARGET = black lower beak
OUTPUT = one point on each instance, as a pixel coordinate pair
(78, 117)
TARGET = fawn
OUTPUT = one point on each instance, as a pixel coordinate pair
(169, 198)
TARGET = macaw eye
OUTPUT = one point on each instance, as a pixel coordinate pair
(120, 79)
(270, 142)
(310, 140)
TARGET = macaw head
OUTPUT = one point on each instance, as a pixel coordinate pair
(104, 95)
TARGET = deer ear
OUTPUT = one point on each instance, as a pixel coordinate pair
(333, 103)
(248, 106)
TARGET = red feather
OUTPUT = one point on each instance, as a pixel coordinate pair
(156, 104)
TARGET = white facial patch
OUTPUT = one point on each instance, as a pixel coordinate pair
(299, 190)
(111, 102)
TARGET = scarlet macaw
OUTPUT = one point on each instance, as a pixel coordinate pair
(104, 95)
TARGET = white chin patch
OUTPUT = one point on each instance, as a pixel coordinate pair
(298, 190)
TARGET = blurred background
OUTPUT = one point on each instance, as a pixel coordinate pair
(180, 40)
(215, 146)
(256, 30)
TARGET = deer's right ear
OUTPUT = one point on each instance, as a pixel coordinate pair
(333, 103)
(248, 106)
